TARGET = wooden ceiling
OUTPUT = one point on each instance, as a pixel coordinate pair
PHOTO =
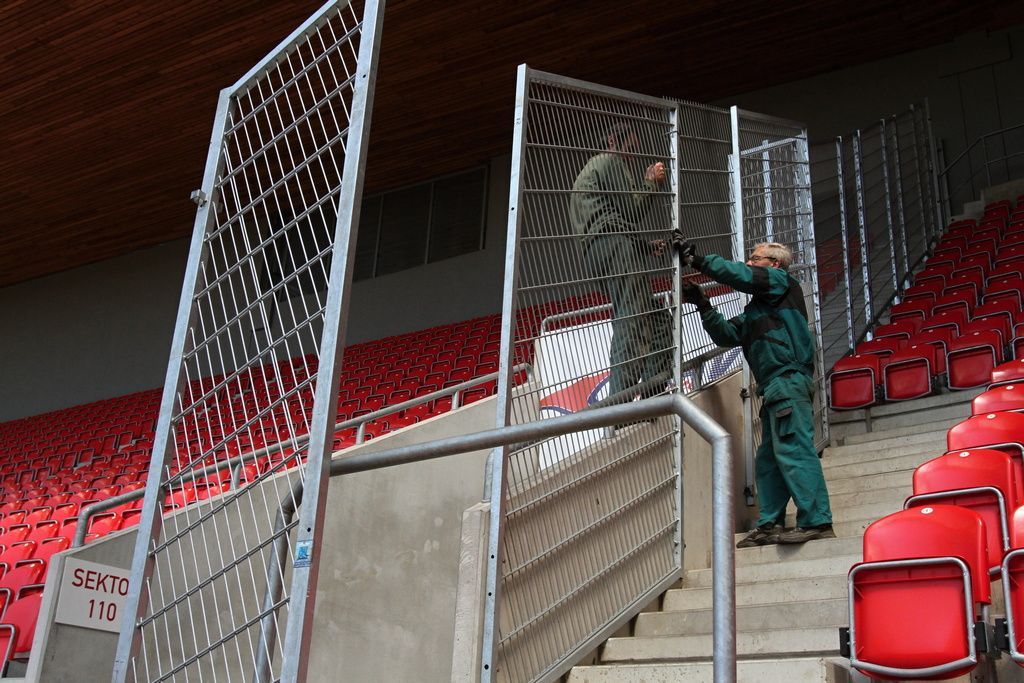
(106, 107)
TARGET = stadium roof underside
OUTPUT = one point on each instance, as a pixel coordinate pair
(106, 108)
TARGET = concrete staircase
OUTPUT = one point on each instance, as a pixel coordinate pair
(791, 600)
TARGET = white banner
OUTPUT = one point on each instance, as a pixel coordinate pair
(573, 362)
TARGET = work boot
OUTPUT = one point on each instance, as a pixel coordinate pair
(802, 534)
(766, 534)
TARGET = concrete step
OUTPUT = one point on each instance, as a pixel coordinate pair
(909, 430)
(889, 416)
(872, 450)
(786, 590)
(897, 463)
(802, 670)
(766, 573)
(758, 643)
(827, 547)
(926, 404)
(894, 494)
(869, 482)
(808, 614)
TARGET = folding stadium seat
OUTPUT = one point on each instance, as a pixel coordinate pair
(26, 550)
(999, 398)
(22, 615)
(915, 598)
(1001, 431)
(1004, 313)
(50, 547)
(982, 480)
(1013, 236)
(919, 309)
(1010, 372)
(903, 331)
(1011, 252)
(969, 280)
(953, 319)
(947, 256)
(972, 356)
(853, 381)
(883, 347)
(939, 338)
(908, 373)
(14, 534)
(979, 262)
(928, 290)
(1008, 287)
(15, 580)
(960, 300)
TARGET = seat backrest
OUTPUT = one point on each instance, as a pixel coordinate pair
(1003, 397)
(1008, 371)
(23, 614)
(933, 531)
(1003, 431)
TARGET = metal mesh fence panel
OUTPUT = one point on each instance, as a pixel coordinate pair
(775, 205)
(589, 522)
(252, 371)
(872, 177)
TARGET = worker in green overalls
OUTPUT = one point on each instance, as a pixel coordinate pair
(773, 331)
(606, 208)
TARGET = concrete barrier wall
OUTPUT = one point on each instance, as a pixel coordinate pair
(388, 573)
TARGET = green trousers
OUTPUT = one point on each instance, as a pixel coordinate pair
(787, 464)
(641, 326)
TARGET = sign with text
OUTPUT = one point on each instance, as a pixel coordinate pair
(92, 595)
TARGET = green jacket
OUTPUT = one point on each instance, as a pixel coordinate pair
(773, 328)
(606, 197)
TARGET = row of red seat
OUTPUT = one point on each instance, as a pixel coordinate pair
(933, 563)
(961, 317)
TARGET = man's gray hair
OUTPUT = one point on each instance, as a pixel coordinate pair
(780, 252)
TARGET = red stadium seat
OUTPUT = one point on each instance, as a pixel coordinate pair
(1012, 571)
(1003, 431)
(915, 598)
(971, 358)
(908, 373)
(920, 309)
(902, 330)
(853, 381)
(1008, 287)
(985, 481)
(884, 347)
(962, 300)
(22, 614)
(929, 290)
(16, 579)
(1003, 397)
(939, 337)
(954, 320)
(966, 280)
(934, 273)
(1008, 372)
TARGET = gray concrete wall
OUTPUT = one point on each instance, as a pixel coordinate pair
(104, 330)
(388, 573)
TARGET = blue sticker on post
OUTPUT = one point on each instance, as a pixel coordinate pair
(303, 554)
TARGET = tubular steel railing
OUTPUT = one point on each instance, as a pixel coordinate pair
(957, 179)
(238, 463)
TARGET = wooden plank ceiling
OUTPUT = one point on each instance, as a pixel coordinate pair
(106, 107)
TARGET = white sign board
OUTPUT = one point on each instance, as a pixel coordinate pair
(92, 595)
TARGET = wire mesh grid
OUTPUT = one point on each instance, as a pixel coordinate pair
(249, 366)
(877, 212)
(777, 206)
(590, 519)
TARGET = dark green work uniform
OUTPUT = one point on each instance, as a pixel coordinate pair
(773, 331)
(605, 208)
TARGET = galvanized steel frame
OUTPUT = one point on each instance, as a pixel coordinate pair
(492, 660)
(359, 82)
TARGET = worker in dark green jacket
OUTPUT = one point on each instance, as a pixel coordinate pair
(606, 208)
(773, 331)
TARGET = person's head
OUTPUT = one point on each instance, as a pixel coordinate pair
(770, 255)
(622, 138)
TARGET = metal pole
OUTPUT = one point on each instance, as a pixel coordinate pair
(164, 446)
(922, 180)
(739, 248)
(676, 119)
(862, 222)
(843, 232)
(900, 209)
(888, 213)
(933, 177)
(498, 460)
(299, 629)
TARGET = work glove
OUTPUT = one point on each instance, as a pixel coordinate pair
(692, 294)
(688, 255)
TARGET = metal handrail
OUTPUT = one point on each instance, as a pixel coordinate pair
(722, 502)
(238, 462)
(983, 141)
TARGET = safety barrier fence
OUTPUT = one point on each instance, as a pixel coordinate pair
(280, 195)
(992, 158)
(877, 211)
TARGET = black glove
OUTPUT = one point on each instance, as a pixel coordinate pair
(692, 294)
(688, 255)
